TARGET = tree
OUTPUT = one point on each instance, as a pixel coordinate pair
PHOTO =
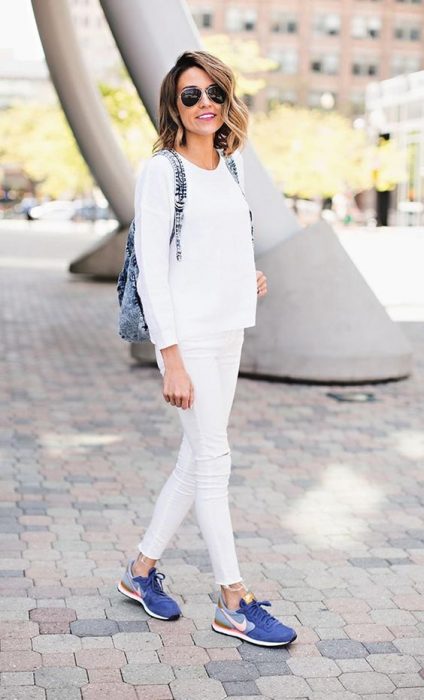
(130, 121)
(244, 59)
(311, 153)
(37, 137)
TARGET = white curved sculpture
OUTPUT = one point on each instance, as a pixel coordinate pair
(321, 321)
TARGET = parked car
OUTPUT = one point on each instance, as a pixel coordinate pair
(58, 210)
(65, 210)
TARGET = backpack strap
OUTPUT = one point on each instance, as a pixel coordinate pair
(232, 167)
(180, 195)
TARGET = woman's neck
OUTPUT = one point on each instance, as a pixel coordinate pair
(200, 153)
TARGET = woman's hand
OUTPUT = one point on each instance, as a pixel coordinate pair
(178, 389)
(261, 283)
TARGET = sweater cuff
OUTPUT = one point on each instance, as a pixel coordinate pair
(165, 340)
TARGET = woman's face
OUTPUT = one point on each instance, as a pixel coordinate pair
(191, 116)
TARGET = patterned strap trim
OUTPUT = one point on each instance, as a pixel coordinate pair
(233, 170)
(180, 195)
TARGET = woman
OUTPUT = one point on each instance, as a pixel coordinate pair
(196, 309)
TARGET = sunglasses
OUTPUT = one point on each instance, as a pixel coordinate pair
(191, 95)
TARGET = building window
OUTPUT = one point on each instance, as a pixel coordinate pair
(287, 60)
(325, 63)
(276, 96)
(365, 66)
(203, 18)
(238, 19)
(283, 23)
(366, 27)
(405, 64)
(327, 25)
(407, 32)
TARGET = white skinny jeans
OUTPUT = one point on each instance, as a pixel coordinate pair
(203, 465)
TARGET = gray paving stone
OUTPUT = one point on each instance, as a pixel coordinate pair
(367, 682)
(147, 674)
(248, 697)
(211, 640)
(326, 618)
(344, 695)
(326, 686)
(190, 672)
(249, 652)
(232, 670)
(414, 646)
(368, 562)
(393, 663)
(353, 665)
(283, 687)
(12, 678)
(241, 688)
(133, 626)
(24, 693)
(407, 680)
(56, 643)
(326, 633)
(70, 693)
(380, 647)
(94, 628)
(62, 677)
(392, 618)
(137, 641)
(206, 689)
(273, 668)
(313, 667)
(341, 649)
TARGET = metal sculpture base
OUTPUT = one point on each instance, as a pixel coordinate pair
(320, 322)
(105, 258)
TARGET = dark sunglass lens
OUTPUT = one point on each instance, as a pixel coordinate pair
(216, 94)
(190, 96)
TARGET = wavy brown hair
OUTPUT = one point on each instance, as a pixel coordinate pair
(232, 134)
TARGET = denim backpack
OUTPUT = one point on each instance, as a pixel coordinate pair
(132, 323)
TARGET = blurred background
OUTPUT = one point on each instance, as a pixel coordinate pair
(335, 92)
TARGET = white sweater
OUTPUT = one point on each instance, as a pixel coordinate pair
(213, 287)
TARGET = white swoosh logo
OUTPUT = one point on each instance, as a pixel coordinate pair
(240, 626)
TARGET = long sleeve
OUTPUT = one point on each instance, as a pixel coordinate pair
(154, 215)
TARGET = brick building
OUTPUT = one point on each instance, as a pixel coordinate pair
(329, 48)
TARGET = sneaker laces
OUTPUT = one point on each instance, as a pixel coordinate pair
(258, 614)
(155, 579)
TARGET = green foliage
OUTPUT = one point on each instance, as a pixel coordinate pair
(130, 121)
(244, 59)
(312, 153)
(37, 137)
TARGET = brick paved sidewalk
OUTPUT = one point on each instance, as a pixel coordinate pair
(326, 504)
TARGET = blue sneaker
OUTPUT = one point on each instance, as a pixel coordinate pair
(148, 591)
(252, 623)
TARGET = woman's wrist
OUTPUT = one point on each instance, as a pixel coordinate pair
(172, 358)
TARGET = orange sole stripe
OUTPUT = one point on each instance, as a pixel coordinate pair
(224, 627)
(129, 590)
